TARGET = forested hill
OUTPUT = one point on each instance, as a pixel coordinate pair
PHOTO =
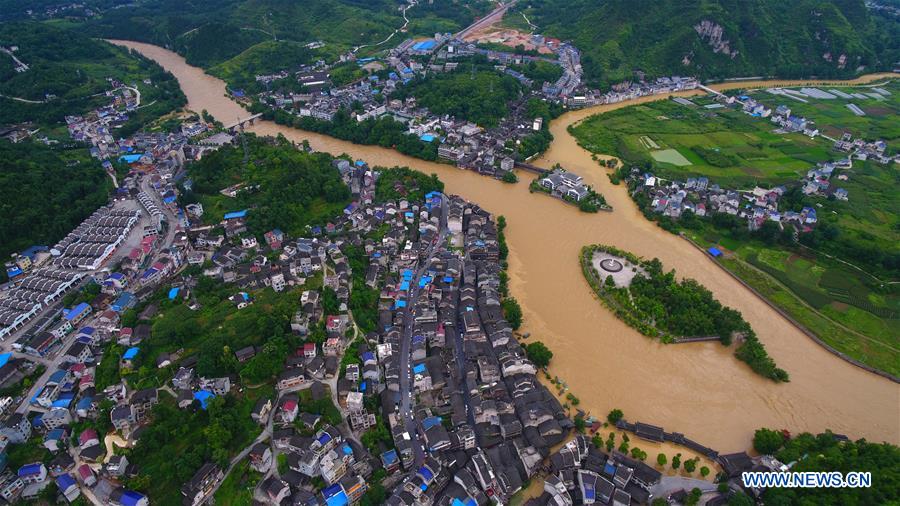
(210, 33)
(721, 38)
(46, 192)
(291, 189)
(69, 73)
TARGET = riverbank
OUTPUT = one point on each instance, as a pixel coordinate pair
(707, 395)
(755, 280)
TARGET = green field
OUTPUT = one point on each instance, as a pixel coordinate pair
(670, 156)
(731, 148)
(833, 118)
(515, 20)
(840, 280)
(847, 309)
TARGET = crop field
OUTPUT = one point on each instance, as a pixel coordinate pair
(648, 143)
(844, 307)
(847, 297)
(677, 142)
(670, 156)
(833, 117)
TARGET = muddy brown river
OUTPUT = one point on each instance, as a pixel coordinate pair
(698, 389)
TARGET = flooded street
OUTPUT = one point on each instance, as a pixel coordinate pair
(698, 389)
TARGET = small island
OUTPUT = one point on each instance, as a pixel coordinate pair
(570, 187)
(658, 305)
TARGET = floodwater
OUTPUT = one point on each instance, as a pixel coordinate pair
(698, 389)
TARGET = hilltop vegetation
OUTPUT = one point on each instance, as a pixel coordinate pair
(480, 96)
(267, 57)
(404, 183)
(75, 70)
(47, 192)
(760, 38)
(287, 188)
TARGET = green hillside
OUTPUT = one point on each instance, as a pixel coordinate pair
(48, 192)
(68, 73)
(210, 34)
(738, 38)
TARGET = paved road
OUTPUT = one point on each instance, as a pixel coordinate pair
(669, 484)
(264, 435)
(406, 401)
(493, 17)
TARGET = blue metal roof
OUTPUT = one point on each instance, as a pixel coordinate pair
(29, 469)
(130, 158)
(389, 457)
(130, 353)
(424, 45)
(64, 481)
(131, 498)
(235, 214)
(124, 300)
(57, 377)
(75, 312)
(335, 495)
(62, 403)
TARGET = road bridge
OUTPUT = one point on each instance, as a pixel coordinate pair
(241, 122)
(532, 168)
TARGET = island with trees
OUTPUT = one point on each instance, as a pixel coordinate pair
(658, 305)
